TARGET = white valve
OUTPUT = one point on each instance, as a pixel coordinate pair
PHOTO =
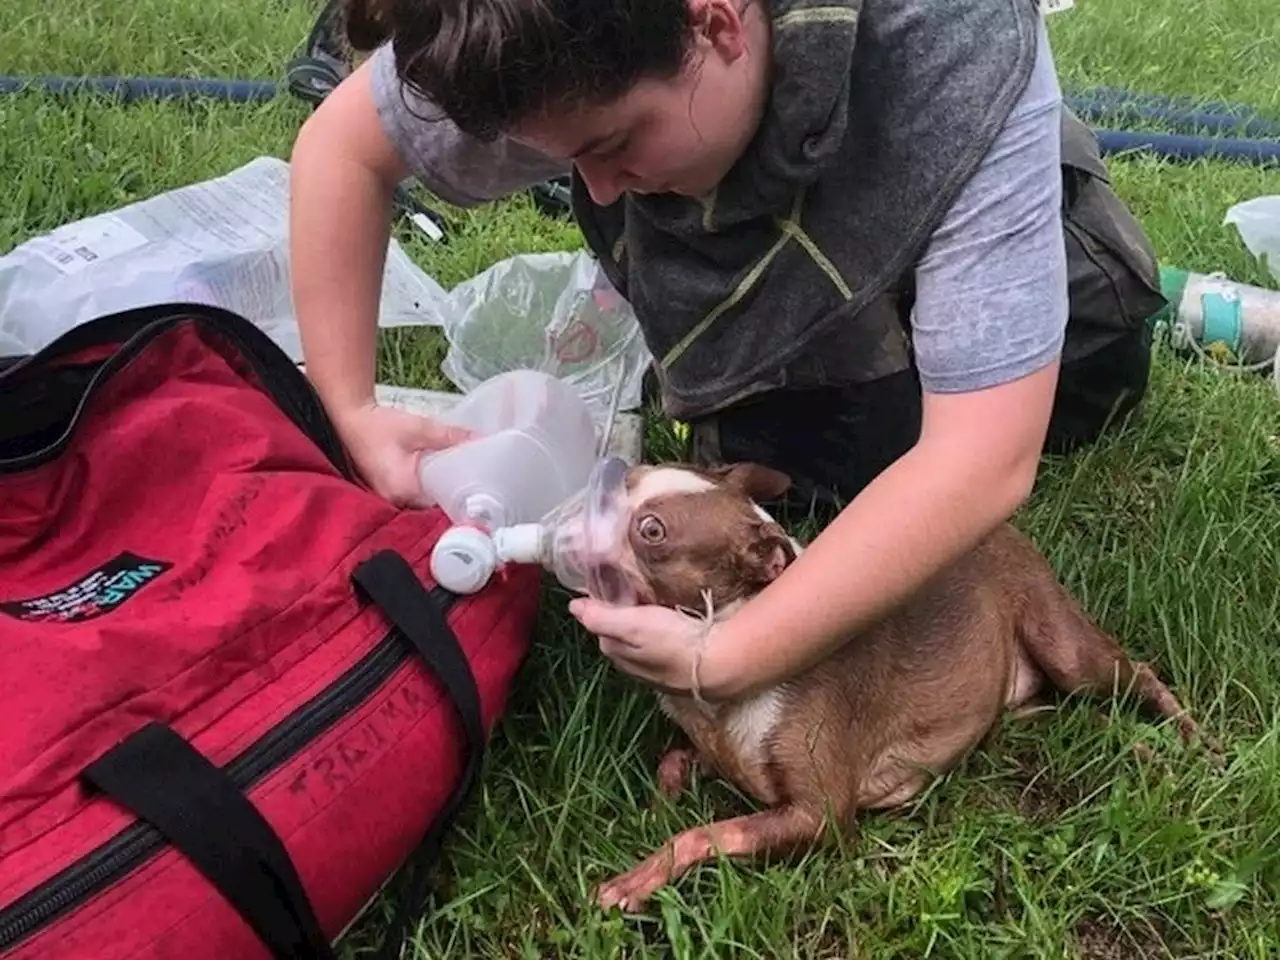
(463, 560)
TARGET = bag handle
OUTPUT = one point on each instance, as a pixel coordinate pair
(388, 580)
(162, 779)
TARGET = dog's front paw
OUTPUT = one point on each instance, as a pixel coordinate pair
(675, 769)
(629, 891)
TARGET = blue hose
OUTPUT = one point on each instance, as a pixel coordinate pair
(1250, 138)
(1185, 149)
(131, 89)
(1181, 114)
(1097, 105)
(1175, 102)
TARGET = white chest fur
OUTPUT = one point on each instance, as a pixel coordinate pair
(746, 724)
(749, 724)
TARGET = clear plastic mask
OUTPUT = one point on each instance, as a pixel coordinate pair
(588, 536)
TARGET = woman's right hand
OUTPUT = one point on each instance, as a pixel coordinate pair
(343, 174)
(385, 445)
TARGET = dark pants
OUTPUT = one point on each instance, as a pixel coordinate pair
(834, 441)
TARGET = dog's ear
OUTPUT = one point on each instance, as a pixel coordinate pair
(769, 553)
(753, 480)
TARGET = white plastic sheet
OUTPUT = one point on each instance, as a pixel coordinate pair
(222, 241)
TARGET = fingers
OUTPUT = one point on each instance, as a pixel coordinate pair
(412, 497)
(604, 620)
(402, 485)
(632, 661)
(615, 650)
(650, 643)
(426, 436)
(432, 434)
(645, 660)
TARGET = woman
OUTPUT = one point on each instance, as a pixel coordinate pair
(865, 243)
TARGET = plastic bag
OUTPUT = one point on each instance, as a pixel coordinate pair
(1258, 221)
(222, 242)
(554, 312)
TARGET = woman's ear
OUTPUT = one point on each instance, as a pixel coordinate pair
(718, 24)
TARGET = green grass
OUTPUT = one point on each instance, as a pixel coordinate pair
(1052, 840)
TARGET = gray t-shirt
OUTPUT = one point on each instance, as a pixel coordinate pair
(991, 287)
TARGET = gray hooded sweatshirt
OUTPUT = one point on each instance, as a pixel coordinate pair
(899, 204)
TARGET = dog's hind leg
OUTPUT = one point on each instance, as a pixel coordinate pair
(778, 830)
(1077, 656)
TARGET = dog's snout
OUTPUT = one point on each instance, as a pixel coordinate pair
(611, 584)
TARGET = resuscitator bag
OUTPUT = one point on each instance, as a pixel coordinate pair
(534, 444)
(581, 541)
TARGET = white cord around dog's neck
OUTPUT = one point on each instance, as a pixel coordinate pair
(708, 618)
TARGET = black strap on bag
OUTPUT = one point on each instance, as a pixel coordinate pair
(163, 780)
(388, 580)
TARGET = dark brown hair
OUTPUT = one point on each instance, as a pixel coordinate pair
(487, 64)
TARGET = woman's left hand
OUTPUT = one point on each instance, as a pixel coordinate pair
(655, 644)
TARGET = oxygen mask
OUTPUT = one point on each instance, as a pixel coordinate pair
(582, 542)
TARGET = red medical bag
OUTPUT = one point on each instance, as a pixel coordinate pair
(233, 704)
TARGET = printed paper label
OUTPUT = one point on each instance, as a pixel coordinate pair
(88, 242)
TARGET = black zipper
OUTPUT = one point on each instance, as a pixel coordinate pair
(281, 379)
(128, 849)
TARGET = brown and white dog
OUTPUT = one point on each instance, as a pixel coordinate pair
(871, 725)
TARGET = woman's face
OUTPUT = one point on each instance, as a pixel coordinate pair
(680, 135)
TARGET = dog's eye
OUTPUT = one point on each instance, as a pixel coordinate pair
(652, 530)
